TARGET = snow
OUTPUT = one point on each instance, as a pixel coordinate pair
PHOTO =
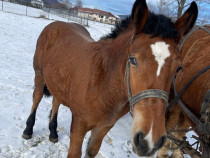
(18, 35)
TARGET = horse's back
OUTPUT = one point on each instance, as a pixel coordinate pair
(59, 37)
(62, 48)
(67, 30)
(193, 38)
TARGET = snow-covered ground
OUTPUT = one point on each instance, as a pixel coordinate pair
(18, 35)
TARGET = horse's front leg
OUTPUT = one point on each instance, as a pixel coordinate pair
(78, 130)
(163, 152)
(182, 124)
(96, 138)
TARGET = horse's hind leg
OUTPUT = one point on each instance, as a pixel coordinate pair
(37, 96)
(53, 121)
(95, 140)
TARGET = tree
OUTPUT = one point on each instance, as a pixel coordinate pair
(172, 8)
(175, 8)
(67, 4)
(79, 3)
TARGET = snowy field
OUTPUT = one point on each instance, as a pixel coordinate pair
(18, 35)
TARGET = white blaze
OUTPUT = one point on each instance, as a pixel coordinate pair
(148, 138)
(161, 52)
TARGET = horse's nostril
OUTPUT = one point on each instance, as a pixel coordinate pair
(161, 142)
(139, 141)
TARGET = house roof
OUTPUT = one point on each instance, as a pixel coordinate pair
(95, 11)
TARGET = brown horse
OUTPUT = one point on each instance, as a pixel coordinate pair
(89, 77)
(196, 56)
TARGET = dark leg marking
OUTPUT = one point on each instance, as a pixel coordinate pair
(53, 126)
(27, 133)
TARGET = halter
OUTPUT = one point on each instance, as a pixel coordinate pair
(177, 98)
(150, 93)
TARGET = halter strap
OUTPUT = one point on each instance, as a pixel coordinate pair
(150, 93)
(195, 28)
(178, 95)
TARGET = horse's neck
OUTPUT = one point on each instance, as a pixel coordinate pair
(195, 36)
(115, 58)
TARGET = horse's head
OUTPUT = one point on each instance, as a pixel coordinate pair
(153, 59)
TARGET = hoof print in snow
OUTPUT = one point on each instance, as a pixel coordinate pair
(109, 140)
(127, 146)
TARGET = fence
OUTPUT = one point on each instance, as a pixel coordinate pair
(21, 7)
(50, 12)
(29, 3)
(67, 14)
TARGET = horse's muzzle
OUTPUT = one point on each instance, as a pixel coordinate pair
(141, 145)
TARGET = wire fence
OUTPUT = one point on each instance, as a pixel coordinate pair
(29, 8)
(24, 8)
(69, 14)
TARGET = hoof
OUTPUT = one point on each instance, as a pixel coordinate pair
(53, 140)
(26, 136)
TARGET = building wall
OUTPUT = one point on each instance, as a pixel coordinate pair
(39, 4)
(82, 15)
(98, 18)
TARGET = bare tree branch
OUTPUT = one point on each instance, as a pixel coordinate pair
(175, 8)
(79, 3)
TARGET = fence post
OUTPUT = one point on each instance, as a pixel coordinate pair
(26, 8)
(69, 15)
(49, 13)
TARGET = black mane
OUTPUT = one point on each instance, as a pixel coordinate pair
(119, 28)
(157, 25)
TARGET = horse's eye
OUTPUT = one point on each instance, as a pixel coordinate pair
(133, 61)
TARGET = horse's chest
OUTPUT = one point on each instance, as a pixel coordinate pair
(118, 111)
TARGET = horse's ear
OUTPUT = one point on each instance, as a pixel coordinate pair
(139, 15)
(185, 23)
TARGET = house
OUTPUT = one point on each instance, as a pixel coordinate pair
(37, 3)
(96, 15)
